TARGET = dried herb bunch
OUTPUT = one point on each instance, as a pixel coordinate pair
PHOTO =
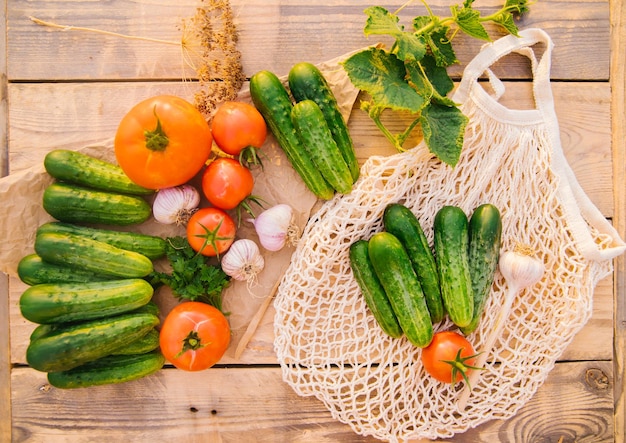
(219, 71)
(208, 46)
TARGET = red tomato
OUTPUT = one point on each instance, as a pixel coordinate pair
(238, 125)
(210, 231)
(162, 142)
(442, 360)
(194, 336)
(226, 183)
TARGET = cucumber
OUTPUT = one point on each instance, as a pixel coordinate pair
(82, 169)
(91, 255)
(372, 290)
(451, 248)
(71, 302)
(72, 344)
(401, 222)
(76, 204)
(147, 343)
(112, 369)
(44, 329)
(485, 232)
(273, 102)
(395, 272)
(306, 82)
(312, 129)
(151, 246)
(32, 270)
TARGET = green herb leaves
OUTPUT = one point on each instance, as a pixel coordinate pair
(192, 277)
(412, 75)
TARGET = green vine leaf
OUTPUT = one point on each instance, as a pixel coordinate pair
(382, 75)
(412, 75)
(443, 128)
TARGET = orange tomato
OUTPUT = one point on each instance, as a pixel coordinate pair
(162, 142)
(194, 336)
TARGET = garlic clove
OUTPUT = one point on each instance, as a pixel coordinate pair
(243, 261)
(175, 205)
(275, 227)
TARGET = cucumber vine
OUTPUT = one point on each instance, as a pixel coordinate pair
(412, 75)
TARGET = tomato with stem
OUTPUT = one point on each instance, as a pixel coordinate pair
(227, 184)
(239, 129)
(449, 357)
(162, 142)
(211, 231)
(194, 336)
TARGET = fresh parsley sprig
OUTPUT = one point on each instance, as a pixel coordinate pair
(193, 277)
(412, 75)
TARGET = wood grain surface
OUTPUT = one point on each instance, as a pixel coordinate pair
(71, 88)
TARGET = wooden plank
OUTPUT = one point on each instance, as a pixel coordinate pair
(618, 142)
(5, 356)
(252, 404)
(272, 35)
(47, 116)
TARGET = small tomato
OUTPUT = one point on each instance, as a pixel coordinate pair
(237, 126)
(211, 231)
(226, 183)
(449, 357)
(162, 142)
(194, 336)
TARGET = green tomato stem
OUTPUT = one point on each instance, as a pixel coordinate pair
(156, 140)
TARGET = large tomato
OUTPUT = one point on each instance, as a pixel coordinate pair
(236, 126)
(194, 336)
(211, 231)
(162, 142)
(449, 357)
(226, 183)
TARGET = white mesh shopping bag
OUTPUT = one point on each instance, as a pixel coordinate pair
(329, 345)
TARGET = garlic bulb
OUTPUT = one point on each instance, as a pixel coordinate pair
(275, 227)
(520, 270)
(243, 260)
(175, 205)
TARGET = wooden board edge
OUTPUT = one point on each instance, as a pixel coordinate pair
(618, 114)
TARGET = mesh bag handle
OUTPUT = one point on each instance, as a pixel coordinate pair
(580, 211)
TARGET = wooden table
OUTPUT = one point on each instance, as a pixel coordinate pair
(69, 89)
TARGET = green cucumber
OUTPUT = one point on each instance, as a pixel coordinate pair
(72, 344)
(401, 222)
(85, 170)
(395, 272)
(306, 82)
(76, 204)
(273, 102)
(485, 231)
(112, 369)
(32, 270)
(451, 248)
(372, 290)
(147, 343)
(71, 302)
(44, 329)
(92, 255)
(317, 139)
(151, 246)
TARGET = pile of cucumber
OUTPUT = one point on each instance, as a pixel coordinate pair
(312, 132)
(87, 288)
(409, 286)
